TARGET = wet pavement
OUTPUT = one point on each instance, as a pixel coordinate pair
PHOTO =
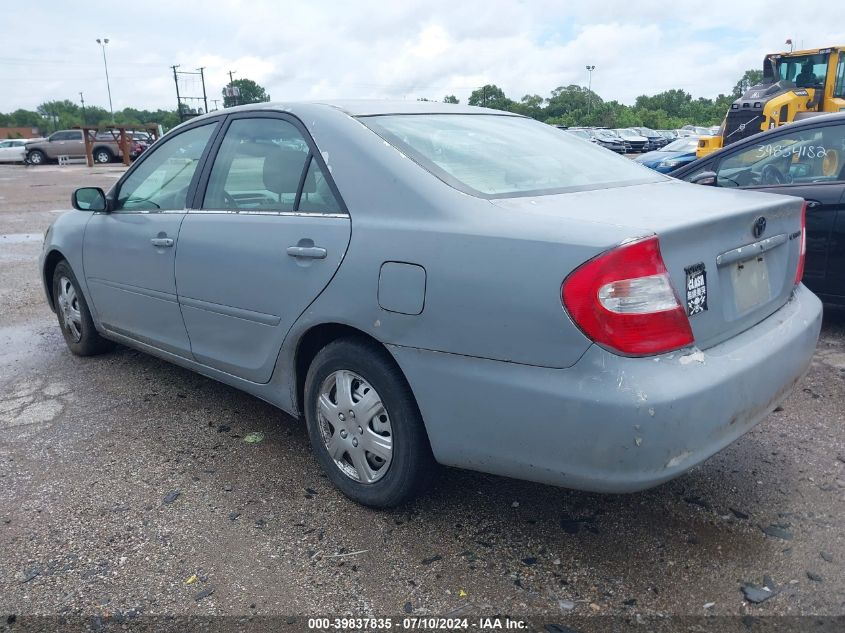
(127, 486)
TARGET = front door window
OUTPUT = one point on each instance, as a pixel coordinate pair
(162, 180)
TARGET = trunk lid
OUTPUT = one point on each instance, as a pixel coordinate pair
(728, 275)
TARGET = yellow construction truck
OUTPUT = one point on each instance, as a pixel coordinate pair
(795, 86)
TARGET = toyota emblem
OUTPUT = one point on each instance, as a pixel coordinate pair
(759, 227)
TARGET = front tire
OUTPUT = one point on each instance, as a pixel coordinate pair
(74, 316)
(36, 157)
(364, 424)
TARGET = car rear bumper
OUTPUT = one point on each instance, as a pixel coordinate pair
(610, 423)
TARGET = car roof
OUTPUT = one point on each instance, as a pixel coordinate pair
(368, 107)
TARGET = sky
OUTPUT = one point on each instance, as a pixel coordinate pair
(403, 49)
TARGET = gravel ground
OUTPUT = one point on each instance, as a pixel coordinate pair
(126, 487)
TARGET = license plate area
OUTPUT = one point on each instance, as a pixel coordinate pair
(750, 282)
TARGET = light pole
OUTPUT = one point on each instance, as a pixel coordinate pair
(590, 70)
(102, 44)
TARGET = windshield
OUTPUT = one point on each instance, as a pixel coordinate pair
(805, 71)
(504, 156)
(688, 144)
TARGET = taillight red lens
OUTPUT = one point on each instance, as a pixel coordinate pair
(624, 300)
(799, 272)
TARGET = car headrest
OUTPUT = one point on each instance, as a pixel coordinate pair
(283, 169)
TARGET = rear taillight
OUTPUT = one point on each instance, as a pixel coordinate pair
(624, 300)
(799, 271)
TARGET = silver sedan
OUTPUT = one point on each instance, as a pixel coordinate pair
(427, 283)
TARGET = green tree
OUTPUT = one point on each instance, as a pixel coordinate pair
(750, 78)
(674, 103)
(531, 105)
(571, 103)
(250, 92)
(450, 99)
(490, 96)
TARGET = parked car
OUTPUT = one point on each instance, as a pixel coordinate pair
(672, 156)
(655, 140)
(804, 159)
(438, 283)
(635, 142)
(682, 133)
(12, 150)
(71, 143)
(608, 140)
(669, 135)
(598, 137)
(697, 130)
(580, 133)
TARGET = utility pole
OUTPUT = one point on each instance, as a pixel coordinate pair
(202, 79)
(590, 70)
(232, 87)
(215, 102)
(102, 44)
(82, 99)
(178, 99)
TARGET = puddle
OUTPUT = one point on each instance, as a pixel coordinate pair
(20, 238)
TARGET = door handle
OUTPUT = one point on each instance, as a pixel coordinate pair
(162, 241)
(311, 252)
(812, 204)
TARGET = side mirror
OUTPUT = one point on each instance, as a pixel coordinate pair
(704, 178)
(89, 199)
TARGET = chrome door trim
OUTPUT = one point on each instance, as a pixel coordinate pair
(301, 214)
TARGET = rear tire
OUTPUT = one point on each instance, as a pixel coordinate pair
(103, 155)
(350, 375)
(74, 316)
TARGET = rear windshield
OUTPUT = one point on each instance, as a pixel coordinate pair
(504, 156)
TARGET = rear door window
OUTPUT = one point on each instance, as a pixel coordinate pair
(265, 164)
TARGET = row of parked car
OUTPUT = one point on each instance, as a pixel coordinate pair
(71, 143)
(635, 140)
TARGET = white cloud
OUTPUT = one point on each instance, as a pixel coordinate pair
(404, 49)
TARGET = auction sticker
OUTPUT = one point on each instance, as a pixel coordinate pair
(696, 289)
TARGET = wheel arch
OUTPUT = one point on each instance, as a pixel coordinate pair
(316, 338)
(51, 260)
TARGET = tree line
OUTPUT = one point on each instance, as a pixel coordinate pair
(576, 105)
(565, 105)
